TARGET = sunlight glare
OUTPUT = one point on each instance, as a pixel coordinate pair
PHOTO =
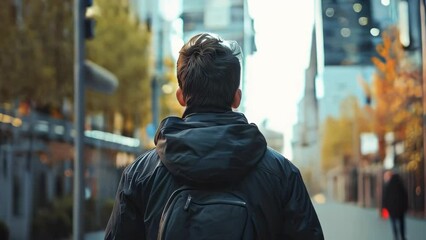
(275, 73)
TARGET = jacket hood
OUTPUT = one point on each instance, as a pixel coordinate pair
(209, 148)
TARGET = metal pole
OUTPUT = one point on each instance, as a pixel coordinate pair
(78, 118)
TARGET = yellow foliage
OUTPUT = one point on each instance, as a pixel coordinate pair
(397, 92)
(122, 46)
(36, 53)
(341, 135)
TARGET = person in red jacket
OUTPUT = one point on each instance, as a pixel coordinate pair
(395, 200)
(211, 147)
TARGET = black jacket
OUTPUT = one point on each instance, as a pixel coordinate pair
(213, 150)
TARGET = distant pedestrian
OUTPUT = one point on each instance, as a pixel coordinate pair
(395, 200)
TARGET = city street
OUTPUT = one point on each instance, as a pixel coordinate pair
(336, 87)
(350, 222)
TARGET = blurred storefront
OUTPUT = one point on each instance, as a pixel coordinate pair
(36, 165)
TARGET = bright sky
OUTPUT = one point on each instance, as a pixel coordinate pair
(275, 74)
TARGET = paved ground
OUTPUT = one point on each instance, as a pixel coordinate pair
(94, 236)
(349, 222)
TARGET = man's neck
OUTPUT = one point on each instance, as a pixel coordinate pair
(205, 109)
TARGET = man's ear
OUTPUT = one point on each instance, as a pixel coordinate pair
(180, 98)
(237, 99)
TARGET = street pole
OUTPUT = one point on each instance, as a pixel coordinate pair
(78, 118)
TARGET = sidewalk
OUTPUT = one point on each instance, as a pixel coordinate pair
(350, 222)
(94, 235)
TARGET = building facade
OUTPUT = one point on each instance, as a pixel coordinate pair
(227, 18)
(305, 142)
(347, 33)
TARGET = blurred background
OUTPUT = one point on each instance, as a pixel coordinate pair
(337, 86)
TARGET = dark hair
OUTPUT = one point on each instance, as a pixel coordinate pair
(208, 71)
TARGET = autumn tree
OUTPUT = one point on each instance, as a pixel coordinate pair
(341, 135)
(36, 52)
(397, 92)
(130, 60)
(121, 45)
(8, 31)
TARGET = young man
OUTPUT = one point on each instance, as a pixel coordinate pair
(212, 147)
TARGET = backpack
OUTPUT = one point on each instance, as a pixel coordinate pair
(192, 213)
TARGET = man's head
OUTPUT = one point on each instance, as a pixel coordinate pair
(208, 73)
